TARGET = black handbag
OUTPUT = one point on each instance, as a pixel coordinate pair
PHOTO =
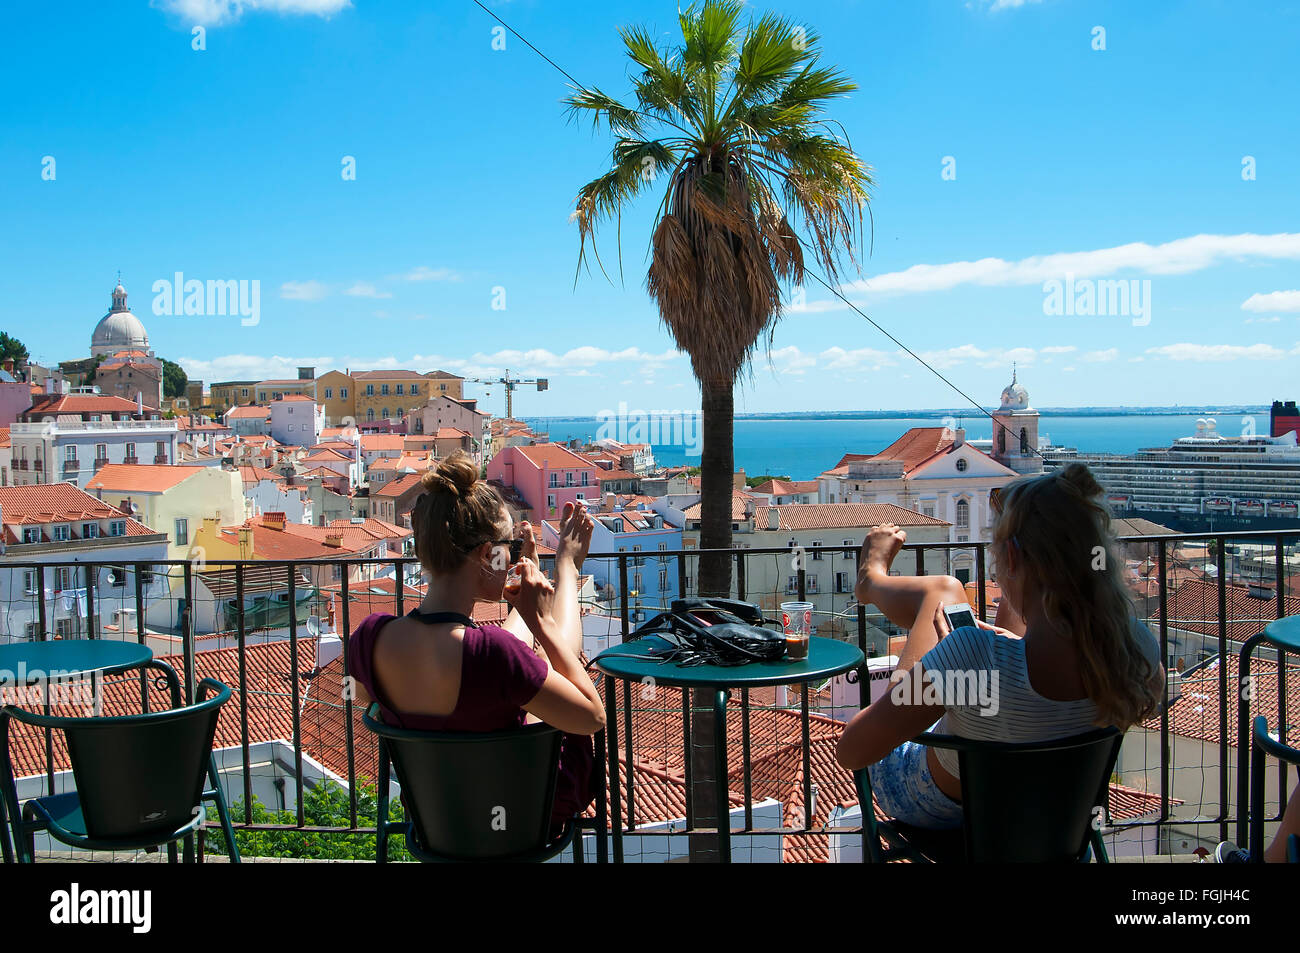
(714, 632)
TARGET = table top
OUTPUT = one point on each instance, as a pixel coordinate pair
(1285, 631)
(31, 662)
(632, 661)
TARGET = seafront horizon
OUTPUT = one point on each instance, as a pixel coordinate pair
(801, 448)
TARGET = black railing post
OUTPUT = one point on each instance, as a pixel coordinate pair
(92, 625)
(187, 631)
(243, 691)
(1163, 590)
(139, 633)
(981, 584)
(297, 697)
(740, 576)
(349, 689)
(1221, 561)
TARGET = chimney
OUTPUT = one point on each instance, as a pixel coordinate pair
(738, 479)
(49, 385)
(334, 539)
(773, 518)
(609, 502)
(274, 519)
(139, 402)
(959, 436)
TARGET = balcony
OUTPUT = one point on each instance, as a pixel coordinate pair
(1174, 788)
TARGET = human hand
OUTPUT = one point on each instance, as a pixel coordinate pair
(533, 596)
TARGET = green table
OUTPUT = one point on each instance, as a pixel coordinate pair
(635, 662)
(25, 664)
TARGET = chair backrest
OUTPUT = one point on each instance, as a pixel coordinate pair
(1038, 802)
(472, 795)
(139, 775)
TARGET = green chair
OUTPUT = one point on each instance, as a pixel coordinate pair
(1262, 745)
(139, 778)
(472, 796)
(1021, 803)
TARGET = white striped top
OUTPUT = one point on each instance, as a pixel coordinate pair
(981, 679)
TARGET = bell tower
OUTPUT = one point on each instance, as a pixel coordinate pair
(1015, 430)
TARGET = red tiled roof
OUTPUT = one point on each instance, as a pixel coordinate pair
(4, 437)
(1196, 712)
(58, 503)
(555, 456)
(1194, 606)
(386, 375)
(396, 488)
(253, 475)
(787, 487)
(375, 442)
(79, 404)
(742, 504)
(140, 477)
(251, 411)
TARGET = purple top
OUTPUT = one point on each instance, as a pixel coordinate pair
(498, 676)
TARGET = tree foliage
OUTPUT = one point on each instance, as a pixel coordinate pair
(12, 349)
(174, 379)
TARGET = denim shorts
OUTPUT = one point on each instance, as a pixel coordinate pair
(905, 790)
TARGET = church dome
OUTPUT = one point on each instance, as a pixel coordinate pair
(1014, 396)
(119, 330)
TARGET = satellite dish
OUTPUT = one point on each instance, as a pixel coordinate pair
(313, 625)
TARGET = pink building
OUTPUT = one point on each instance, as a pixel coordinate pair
(546, 475)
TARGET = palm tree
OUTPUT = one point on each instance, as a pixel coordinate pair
(730, 124)
(733, 119)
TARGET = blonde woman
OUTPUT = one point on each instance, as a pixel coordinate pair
(1069, 655)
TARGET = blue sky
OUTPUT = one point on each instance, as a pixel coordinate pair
(1008, 152)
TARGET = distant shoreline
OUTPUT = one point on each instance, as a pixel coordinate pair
(960, 412)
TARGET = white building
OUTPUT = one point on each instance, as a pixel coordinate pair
(69, 437)
(297, 420)
(58, 523)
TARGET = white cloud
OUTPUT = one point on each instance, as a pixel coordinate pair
(1218, 352)
(969, 353)
(215, 12)
(363, 289)
(425, 273)
(791, 360)
(1060, 349)
(1273, 301)
(304, 290)
(1101, 357)
(1273, 320)
(1178, 257)
(863, 358)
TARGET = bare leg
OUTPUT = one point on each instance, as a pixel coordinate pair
(1275, 852)
(910, 602)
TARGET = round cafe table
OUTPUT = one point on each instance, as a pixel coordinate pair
(635, 662)
(24, 664)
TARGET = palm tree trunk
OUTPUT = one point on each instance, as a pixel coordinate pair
(717, 466)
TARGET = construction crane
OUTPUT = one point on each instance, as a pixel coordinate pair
(510, 383)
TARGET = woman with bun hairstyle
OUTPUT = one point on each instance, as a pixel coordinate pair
(436, 669)
(1068, 654)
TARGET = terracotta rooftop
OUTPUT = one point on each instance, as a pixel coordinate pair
(1195, 714)
(140, 477)
(554, 456)
(787, 487)
(398, 487)
(1194, 606)
(46, 404)
(57, 503)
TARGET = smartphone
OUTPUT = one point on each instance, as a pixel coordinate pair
(959, 616)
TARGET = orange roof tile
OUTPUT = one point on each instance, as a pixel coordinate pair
(140, 477)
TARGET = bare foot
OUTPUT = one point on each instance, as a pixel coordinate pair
(878, 551)
(576, 526)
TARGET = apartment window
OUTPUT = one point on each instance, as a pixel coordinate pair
(663, 547)
(370, 415)
(370, 390)
(550, 501)
(415, 389)
(383, 392)
(160, 448)
(399, 388)
(70, 453)
(31, 534)
(554, 480)
(329, 393)
(62, 533)
(291, 428)
(343, 393)
(570, 479)
(585, 478)
(636, 581)
(243, 392)
(62, 579)
(90, 531)
(848, 545)
(816, 549)
(663, 580)
(101, 451)
(791, 584)
(810, 582)
(31, 632)
(961, 466)
(842, 582)
(963, 514)
(117, 528)
(29, 581)
(130, 450)
(927, 508)
(63, 628)
(182, 535)
(442, 387)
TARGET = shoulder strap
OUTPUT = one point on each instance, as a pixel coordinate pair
(434, 618)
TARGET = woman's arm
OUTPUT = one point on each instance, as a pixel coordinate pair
(878, 729)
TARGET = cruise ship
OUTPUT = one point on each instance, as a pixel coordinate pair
(1207, 479)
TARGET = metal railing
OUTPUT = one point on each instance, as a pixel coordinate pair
(616, 816)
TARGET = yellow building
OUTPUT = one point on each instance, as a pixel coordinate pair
(267, 391)
(442, 384)
(227, 394)
(172, 499)
(389, 395)
(336, 393)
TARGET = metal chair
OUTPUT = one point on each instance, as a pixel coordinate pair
(1021, 803)
(139, 778)
(1262, 745)
(1283, 636)
(472, 796)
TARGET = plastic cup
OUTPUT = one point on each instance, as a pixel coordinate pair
(796, 622)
